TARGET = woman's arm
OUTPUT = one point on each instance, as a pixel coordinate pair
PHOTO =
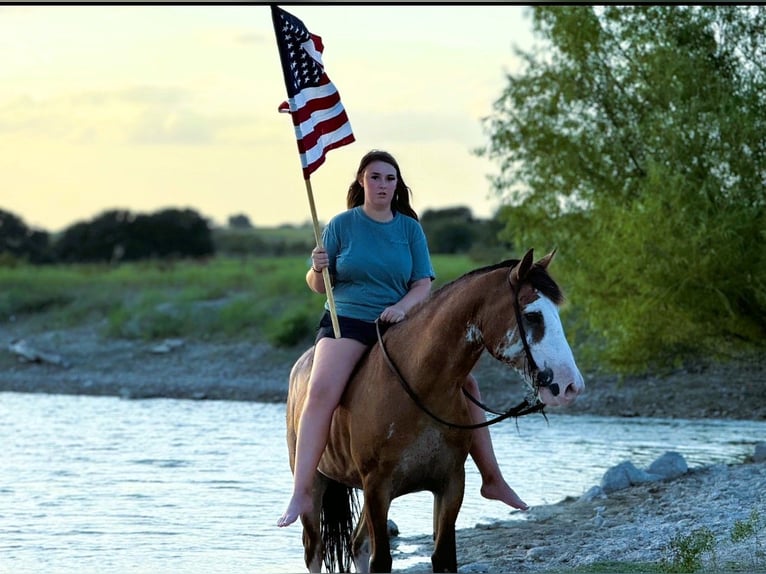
(319, 260)
(419, 290)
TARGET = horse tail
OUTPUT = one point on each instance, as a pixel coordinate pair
(338, 516)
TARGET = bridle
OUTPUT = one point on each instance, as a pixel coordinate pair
(530, 404)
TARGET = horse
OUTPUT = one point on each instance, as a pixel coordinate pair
(403, 424)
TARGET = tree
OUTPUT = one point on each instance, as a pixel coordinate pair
(240, 221)
(118, 235)
(635, 140)
(450, 230)
(20, 242)
(102, 239)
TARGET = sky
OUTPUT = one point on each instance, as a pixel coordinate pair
(152, 107)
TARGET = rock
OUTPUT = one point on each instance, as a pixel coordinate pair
(669, 465)
(615, 478)
(624, 475)
(598, 520)
(393, 529)
(540, 553)
(593, 493)
(760, 452)
(28, 354)
(477, 568)
(166, 346)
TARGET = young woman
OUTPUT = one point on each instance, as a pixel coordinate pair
(378, 256)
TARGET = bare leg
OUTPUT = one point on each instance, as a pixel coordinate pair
(493, 485)
(333, 361)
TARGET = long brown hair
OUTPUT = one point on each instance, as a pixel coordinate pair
(401, 200)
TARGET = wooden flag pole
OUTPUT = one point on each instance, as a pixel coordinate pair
(325, 271)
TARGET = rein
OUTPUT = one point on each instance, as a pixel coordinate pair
(525, 407)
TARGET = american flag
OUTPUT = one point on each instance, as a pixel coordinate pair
(320, 121)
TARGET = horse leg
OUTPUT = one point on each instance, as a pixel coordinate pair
(361, 547)
(377, 502)
(447, 504)
(313, 551)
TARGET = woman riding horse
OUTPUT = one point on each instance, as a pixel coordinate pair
(402, 422)
(378, 255)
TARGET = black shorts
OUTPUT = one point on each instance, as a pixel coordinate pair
(362, 331)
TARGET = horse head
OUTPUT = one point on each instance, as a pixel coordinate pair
(536, 344)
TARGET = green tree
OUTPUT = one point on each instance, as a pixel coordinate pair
(634, 139)
(450, 230)
(19, 242)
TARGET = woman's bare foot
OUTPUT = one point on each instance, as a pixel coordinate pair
(504, 493)
(298, 505)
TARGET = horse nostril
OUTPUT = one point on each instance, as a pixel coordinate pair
(571, 390)
(554, 388)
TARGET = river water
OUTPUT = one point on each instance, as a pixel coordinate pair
(102, 484)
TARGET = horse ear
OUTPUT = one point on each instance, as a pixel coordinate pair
(519, 272)
(545, 261)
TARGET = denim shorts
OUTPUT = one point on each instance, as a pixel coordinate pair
(362, 331)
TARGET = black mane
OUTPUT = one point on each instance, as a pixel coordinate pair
(538, 277)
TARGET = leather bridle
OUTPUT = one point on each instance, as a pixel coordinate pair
(529, 405)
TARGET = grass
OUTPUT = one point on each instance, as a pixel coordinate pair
(221, 298)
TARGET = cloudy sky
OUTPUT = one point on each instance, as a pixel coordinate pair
(147, 107)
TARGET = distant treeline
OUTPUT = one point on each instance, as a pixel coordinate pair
(120, 235)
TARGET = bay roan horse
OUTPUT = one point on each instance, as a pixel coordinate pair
(384, 443)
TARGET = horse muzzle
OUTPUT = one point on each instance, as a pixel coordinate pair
(553, 392)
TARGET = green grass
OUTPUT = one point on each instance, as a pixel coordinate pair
(222, 298)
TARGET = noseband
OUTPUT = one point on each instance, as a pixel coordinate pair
(529, 405)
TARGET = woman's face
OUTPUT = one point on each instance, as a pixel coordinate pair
(379, 182)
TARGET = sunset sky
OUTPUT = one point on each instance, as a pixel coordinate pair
(148, 107)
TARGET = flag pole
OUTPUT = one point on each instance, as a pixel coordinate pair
(318, 116)
(325, 271)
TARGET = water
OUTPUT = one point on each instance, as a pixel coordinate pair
(100, 484)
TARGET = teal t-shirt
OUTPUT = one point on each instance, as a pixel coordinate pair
(373, 263)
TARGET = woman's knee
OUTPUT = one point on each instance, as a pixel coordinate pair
(324, 392)
(471, 385)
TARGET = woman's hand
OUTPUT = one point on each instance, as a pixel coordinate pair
(393, 314)
(319, 259)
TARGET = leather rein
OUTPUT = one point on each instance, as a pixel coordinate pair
(525, 407)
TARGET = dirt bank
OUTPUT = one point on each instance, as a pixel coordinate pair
(91, 364)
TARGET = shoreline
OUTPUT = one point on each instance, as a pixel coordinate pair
(632, 529)
(78, 361)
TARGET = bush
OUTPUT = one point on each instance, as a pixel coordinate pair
(118, 235)
(19, 242)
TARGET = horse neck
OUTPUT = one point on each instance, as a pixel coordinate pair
(443, 334)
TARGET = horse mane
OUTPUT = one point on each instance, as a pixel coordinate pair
(538, 277)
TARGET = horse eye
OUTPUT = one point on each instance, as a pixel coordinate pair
(534, 318)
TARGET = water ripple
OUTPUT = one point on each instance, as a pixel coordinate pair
(98, 484)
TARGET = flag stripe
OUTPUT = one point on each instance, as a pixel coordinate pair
(318, 121)
(326, 142)
(316, 104)
(319, 118)
(324, 136)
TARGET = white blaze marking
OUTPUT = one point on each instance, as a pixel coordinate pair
(553, 349)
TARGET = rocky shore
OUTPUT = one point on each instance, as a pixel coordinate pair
(80, 361)
(605, 531)
(635, 529)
